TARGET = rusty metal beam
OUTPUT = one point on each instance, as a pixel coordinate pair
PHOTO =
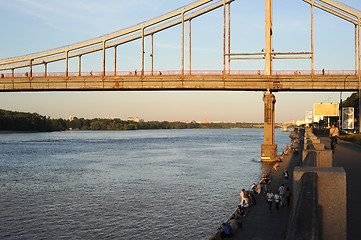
(312, 41)
(163, 22)
(335, 9)
(104, 43)
(268, 48)
(79, 65)
(240, 54)
(142, 72)
(115, 60)
(247, 58)
(190, 82)
(45, 69)
(183, 45)
(292, 58)
(190, 47)
(224, 39)
(229, 38)
(66, 63)
(356, 48)
(152, 53)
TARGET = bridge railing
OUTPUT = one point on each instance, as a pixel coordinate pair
(179, 73)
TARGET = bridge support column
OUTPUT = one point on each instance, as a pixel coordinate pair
(269, 148)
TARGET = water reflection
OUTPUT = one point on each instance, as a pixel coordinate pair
(171, 184)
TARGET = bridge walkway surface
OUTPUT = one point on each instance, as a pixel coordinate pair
(348, 156)
(259, 223)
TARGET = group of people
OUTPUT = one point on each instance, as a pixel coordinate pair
(248, 198)
(281, 197)
(233, 224)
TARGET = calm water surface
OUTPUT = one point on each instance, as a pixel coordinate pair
(161, 184)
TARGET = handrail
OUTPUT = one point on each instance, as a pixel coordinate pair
(179, 72)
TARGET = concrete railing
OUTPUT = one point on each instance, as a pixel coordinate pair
(314, 153)
(304, 221)
(331, 200)
(319, 194)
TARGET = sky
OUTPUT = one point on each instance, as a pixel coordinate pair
(29, 26)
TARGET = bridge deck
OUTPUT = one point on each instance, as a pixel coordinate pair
(176, 82)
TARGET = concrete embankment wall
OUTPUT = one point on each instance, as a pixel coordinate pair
(319, 193)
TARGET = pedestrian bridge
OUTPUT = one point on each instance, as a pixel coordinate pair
(173, 80)
(16, 73)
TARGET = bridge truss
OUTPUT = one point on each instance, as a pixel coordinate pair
(184, 79)
(267, 80)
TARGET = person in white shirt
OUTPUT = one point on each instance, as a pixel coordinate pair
(244, 198)
(277, 198)
(259, 188)
(270, 197)
(282, 191)
(334, 135)
(334, 131)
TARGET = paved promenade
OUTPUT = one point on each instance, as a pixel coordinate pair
(348, 156)
(259, 223)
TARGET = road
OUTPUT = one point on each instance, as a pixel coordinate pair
(348, 156)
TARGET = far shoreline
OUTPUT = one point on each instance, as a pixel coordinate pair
(89, 130)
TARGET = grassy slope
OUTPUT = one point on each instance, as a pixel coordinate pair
(354, 138)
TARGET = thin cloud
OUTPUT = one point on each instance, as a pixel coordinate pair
(46, 11)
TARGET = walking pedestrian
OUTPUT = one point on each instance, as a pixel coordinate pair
(282, 192)
(266, 182)
(277, 198)
(286, 175)
(270, 197)
(288, 196)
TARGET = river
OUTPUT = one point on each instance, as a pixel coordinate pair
(154, 184)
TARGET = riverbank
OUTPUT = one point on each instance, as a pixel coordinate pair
(348, 156)
(259, 222)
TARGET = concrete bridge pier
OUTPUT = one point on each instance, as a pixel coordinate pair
(269, 148)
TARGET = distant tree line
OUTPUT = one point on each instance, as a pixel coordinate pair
(19, 121)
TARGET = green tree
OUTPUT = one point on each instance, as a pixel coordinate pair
(353, 101)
